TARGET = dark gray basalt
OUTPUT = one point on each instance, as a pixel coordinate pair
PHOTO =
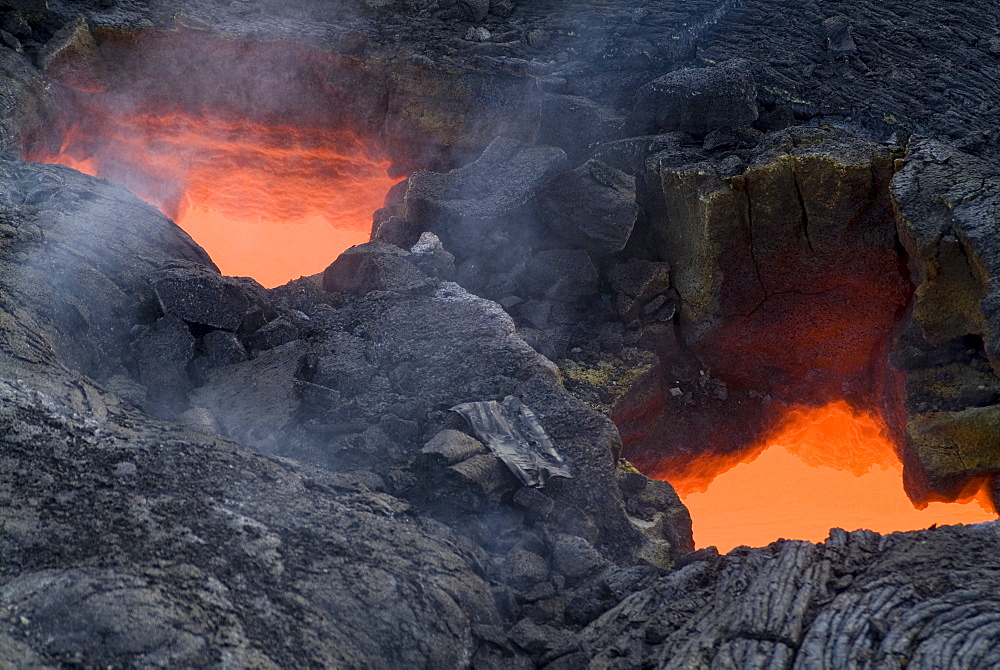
(161, 546)
(198, 294)
(696, 100)
(592, 206)
(464, 206)
(25, 104)
(211, 549)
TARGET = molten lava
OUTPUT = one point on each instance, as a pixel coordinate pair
(820, 468)
(267, 201)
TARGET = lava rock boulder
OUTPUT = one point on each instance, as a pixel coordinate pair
(696, 100)
(462, 206)
(373, 266)
(592, 206)
(199, 294)
(561, 274)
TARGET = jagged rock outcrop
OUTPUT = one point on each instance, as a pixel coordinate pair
(467, 206)
(86, 276)
(593, 206)
(129, 541)
(948, 207)
(71, 58)
(200, 295)
(788, 281)
(26, 104)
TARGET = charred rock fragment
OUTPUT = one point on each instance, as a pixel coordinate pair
(161, 355)
(373, 267)
(395, 230)
(220, 348)
(465, 205)
(253, 401)
(635, 283)
(452, 446)
(71, 58)
(576, 124)
(839, 40)
(560, 274)
(27, 103)
(430, 256)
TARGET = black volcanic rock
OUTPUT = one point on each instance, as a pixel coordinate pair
(696, 100)
(160, 359)
(219, 348)
(839, 40)
(373, 267)
(394, 230)
(129, 541)
(253, 401)
(67, 249)
(145, 540)
(795, 604)
(636, 282)
(575, 124)
(183, 537)
(71, 58)
(430, 256)
(199, 294)
(26, 101)
(464, 205)
(948, 203)
(273, 334)
(592, 206)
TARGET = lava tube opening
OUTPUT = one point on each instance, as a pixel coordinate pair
(776, 411)
(241, 144)
(820, 468)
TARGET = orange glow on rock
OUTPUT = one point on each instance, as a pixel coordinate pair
(821, 468)
(270, 202)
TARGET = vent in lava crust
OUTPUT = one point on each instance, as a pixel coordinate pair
(244, 145)
(778, 413)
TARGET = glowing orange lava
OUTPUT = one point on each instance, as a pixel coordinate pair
(269, 202)
(822, 468)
